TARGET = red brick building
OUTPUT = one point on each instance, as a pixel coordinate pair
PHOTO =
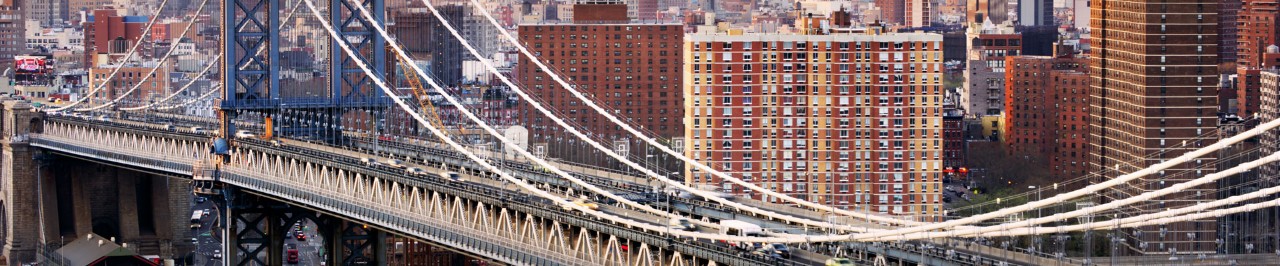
(1257, 30)
(106, 33)
(632, 69)
(1045, 111)
(1071, 152)
(891, 11)
(953, 140)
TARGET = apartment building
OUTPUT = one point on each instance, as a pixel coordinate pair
(850, 120)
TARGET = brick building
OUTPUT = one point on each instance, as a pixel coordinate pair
(847, 120)
(633, 69)
(1029, 102)
(891, 11)
(1257, 30)
(153, 88)
(1152, 88)
(952, 138)
(1228, 29)
(1046, 111)
(1270, 111)
(108, 36)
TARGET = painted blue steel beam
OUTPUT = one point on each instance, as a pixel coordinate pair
(251, 25)
(348, 84)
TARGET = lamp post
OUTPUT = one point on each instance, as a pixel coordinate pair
(1038, 214)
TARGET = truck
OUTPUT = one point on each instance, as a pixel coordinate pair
(740, 228)
(195, 219)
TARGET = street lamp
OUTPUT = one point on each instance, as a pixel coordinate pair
(1038, 215)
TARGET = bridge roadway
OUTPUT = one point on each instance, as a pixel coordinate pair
(136, 147)
(627, 183)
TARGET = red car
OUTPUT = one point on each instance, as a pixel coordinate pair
(293, 256)
(301, 237)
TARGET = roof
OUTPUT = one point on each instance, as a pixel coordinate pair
(91, 249)
(127, 19)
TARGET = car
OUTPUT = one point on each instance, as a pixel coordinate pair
(368, 161)
(217, 254)
(195, 240)
(395, 163)
(168, 127)
(275, 142)
(197, 130)
(104, 118)
(199, 199)
(779, 249)
(586, 203)
(414, 171)
(681, 224)
(195, 226)
(839, 262)
(452, 176)
(764, 253)
(243, 134)
(292, 258)
(301, 237)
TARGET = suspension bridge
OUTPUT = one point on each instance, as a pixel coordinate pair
(360, 158)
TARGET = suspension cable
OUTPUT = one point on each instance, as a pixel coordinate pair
(145, 31)
(172, 48)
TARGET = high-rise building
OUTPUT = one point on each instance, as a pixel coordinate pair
(1153, 75)
(1257, 30)
(983, 94)
(982, 11)
(1045, 113)
(848, 120)
(630, 68)
(1270, 111)
(917, 13)
(1035, 13)
(12, 33)
(1228, 29)
(445, 53)
(891, 11)
(48, 12)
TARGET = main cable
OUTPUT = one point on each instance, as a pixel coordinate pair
(1184, 158)
(1102, 207)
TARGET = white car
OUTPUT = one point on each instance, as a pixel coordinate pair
(414, 171)
(243, 134)
(368, 161)
(197, 130)
(452, 176)
(395, 163)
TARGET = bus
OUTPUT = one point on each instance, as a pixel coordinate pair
(740, 228)
(195, 219)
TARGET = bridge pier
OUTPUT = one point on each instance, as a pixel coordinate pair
(18, 183)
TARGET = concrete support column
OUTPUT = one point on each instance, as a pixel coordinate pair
(127, 204)
(48, 194)
(80, 204)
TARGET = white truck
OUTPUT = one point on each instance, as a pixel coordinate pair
(740, 228)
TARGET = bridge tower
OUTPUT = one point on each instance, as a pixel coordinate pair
(252, 68)
(18, 192)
